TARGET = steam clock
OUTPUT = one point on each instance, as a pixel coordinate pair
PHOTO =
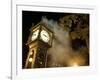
(39, 41)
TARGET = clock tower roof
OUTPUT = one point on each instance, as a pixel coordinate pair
(41, 23)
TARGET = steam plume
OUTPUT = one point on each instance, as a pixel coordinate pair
(61, 52)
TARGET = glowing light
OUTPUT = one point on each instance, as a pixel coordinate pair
(76, 61)
(75, 65)
(30, 59)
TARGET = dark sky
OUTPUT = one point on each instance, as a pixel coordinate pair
(29, 17)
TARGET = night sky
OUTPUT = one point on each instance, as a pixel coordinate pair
(29, 17)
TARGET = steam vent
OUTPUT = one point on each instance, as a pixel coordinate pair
(55, 41)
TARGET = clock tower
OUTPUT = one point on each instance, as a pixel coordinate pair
(39, 41)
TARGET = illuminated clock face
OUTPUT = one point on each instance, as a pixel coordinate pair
(35, 35)
(45, 36)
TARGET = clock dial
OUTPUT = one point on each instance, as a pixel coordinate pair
(45, 36)
(35, 35)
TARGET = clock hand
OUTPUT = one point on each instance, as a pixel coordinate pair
(34, 34)
(44, 35)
